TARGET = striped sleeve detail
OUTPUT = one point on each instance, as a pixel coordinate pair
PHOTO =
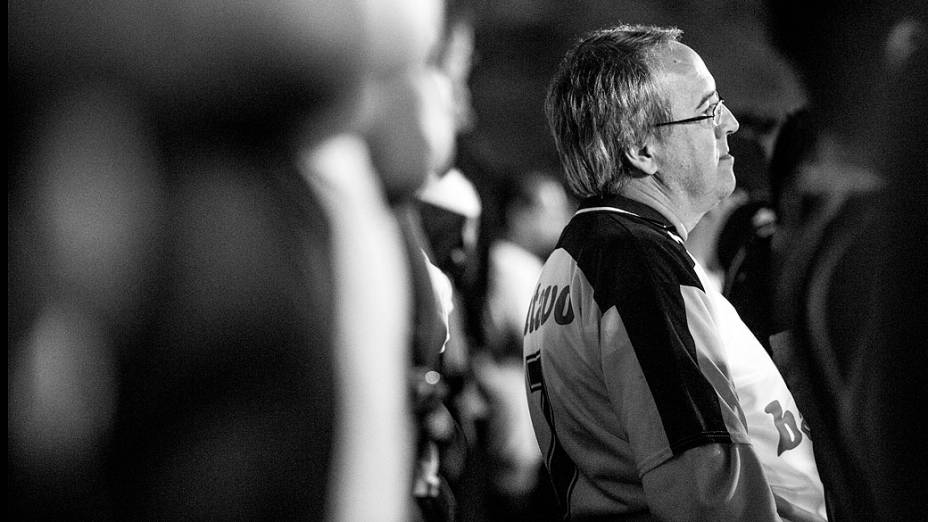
(640, 273)
(687, 402)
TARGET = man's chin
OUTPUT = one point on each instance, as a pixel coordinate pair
(728, 181)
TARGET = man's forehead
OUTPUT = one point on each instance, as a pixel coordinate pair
(684, 71)
(679, 58)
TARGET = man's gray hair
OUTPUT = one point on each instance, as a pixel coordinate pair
(604, 99)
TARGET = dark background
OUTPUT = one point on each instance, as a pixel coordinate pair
(519, 44)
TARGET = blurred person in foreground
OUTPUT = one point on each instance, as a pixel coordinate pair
(186, 341)
(649, 396)
(851, 286)
(171, 350)
(443, 223)
(367, 178)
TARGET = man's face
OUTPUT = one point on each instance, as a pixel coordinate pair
(693, 159)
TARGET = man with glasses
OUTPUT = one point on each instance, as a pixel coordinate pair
(649, 396)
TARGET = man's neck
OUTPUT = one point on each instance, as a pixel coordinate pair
(645, 190)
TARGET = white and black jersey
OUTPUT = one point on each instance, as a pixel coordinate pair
(632, 359)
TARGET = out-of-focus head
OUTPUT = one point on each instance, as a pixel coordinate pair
(605, 98)
(412, 130)
(536, 208)
(400, 35)
(846, 52)
(903, 40)
(414, 109)
(451, 208)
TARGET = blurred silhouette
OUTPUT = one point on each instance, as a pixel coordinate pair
(179, 331)
(170, 352)
(743, 250)
(534, 210)
(534, 207)
(851, 288)
(743, 244)
(404, 136)
(450, 210)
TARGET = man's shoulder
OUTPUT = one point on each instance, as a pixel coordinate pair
(613, 232)
(624, 256)
(617, 244)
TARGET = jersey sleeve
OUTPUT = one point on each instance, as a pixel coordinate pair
(668, 387)
(664, 368)
(711, 482)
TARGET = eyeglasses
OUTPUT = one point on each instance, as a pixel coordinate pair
(715, 112)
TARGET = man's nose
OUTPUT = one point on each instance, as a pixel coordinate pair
(729, 124)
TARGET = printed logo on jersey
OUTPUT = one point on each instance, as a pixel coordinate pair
(785, 422)
(553, 300)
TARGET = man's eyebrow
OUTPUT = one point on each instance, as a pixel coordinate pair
(706, 98)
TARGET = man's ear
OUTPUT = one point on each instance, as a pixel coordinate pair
(642, 157)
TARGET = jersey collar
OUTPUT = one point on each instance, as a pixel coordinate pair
(629, 206)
